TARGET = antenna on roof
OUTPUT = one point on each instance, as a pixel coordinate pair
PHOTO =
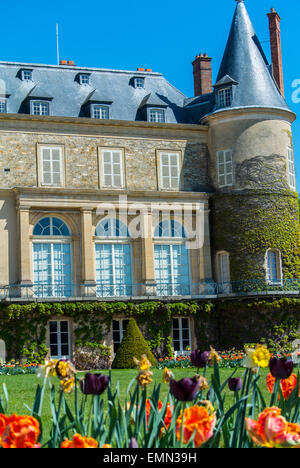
(57, 44)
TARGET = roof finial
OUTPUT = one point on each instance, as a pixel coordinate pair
(239, 1)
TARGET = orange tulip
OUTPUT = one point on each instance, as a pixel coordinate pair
(19, 431)
(78, 441)
(272, 430)
(287, 385)
(168, 415)
(196, 418)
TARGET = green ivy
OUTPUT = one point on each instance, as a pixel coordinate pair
(222, 324)
(259, 220)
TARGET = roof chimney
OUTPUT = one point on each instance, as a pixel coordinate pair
(275, 40)
(202, 74)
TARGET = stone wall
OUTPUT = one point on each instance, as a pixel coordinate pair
(19, 153)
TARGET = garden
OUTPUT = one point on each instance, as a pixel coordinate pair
(205, 399)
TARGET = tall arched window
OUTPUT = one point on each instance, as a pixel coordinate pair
(223, 272)
(113, 259)
(273, 264)
(52, 259)
(171, 257)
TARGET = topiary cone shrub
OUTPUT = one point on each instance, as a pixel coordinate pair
(133, 345)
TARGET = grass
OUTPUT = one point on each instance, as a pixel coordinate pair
(21, 389)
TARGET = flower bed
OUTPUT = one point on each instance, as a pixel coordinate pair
(192, 415)
(16, 368)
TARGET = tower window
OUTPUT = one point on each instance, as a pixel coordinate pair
(224, 97)
(274, 269)
(225, 168)
(291, 168)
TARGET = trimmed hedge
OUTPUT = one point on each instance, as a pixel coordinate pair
(133, 345)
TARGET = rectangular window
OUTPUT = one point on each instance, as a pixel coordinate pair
(85, 79)
(291, 168)
(225, 168)
(3, 106)
(51, 166)
(119, 328)
(40, 108)
(59, 339)
(113, 270)
(100, 112)
(139, 82)
(181, 334)
(224, 97)
(273, 267)
(157, 115)
(112, 168)
(169, 170)
(172, 269)
(26, 75)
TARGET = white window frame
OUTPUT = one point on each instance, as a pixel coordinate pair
(224, 97)
(181, 350)
(41, 104)
(154, 115)
(3, 102)
(112, 174)
(51, 240)
(279, 279)
(59, 344)
(29, 75)
(84, 79)
(51, 148)
(103, 111)
(169, 177)
(139, 80)
(121, 330)
(222, 162)
(291, 167)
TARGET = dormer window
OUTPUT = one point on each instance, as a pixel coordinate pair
(99, 111)
(157, 115)
(26, 75)
(139, 82)
(40, 108)
(224, 97)
(84, 79)
(3, 106)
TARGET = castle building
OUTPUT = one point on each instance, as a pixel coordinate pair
(115, 186)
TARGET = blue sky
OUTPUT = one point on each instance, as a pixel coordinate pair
(164, 36)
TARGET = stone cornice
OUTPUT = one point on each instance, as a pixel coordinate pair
(82, 123)
(248, 112)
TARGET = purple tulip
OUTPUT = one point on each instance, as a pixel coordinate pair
(234, 384)
(133, 443)
(281, 368)
(199, 359)
(94, 384)
(185, 389)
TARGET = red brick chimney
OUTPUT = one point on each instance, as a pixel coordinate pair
(275, 40)
(202, 75)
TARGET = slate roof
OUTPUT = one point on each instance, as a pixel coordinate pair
(68, 95)
(244, 61)
(244, 66)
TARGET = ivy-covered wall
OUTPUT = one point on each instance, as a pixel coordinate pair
(223, 324)
(248, 223)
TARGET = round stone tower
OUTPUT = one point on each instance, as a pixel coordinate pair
(254, 210)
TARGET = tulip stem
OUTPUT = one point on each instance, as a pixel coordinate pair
(183, 407)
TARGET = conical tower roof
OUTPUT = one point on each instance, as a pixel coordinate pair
(245, 63)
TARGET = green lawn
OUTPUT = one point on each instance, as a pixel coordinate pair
(21, 388)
